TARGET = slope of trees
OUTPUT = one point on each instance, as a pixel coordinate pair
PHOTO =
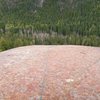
(23, 22)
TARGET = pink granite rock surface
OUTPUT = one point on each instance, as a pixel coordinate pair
(50, 73)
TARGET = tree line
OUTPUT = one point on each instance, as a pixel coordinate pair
(57, 22)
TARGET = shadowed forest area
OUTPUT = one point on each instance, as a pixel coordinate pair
(52, 22)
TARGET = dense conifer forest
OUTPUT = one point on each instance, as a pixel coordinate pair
(52, 22)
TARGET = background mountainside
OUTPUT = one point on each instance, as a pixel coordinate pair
(77, 20)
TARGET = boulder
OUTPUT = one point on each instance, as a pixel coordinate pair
(50, 73)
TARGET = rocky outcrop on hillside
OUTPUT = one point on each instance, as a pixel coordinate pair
(50, 73)
(10, 4)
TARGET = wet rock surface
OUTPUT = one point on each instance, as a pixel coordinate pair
(50, 73)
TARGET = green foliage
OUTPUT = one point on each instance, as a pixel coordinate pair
(73, 22)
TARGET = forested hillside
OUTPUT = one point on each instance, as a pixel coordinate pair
(26, 22)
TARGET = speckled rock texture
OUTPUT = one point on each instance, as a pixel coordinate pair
(50, 73)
